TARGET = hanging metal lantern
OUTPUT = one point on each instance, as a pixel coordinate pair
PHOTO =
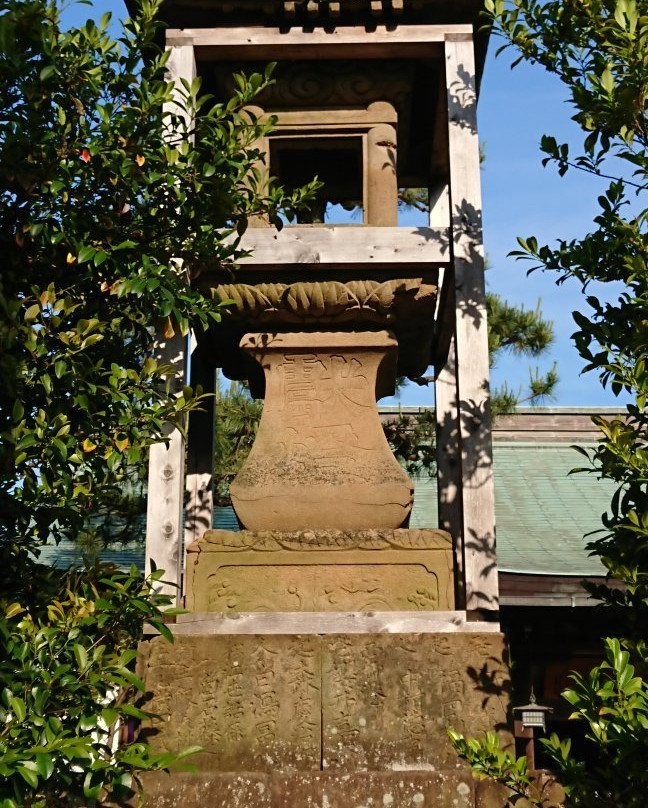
(533, 714)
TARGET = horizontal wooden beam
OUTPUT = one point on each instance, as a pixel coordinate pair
(345, 246)
(329, 623)
(520, 589)
(342, 42)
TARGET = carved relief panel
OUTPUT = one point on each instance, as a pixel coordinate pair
(327, 571)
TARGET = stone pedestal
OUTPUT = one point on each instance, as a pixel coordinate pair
(320, 458)
(323, 660)
(442, 789)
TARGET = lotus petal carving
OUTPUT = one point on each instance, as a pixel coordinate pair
(317, 299)
(365, 300)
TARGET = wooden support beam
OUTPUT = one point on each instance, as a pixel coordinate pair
(345, 245)
(440, 205)
(472, 426)
(181, 65)
(200, 449)
(296, 43)
(167, 460)
(439, 161)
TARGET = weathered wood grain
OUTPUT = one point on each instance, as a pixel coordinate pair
(342, 42)
(166, 483)
(200, 450)
(345, 245)
(473, 438)
(206, 623)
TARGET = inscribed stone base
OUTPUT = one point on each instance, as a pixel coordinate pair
(222, 790)
(321, 570)
(380, 702)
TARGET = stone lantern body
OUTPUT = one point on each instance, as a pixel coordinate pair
(329, 634)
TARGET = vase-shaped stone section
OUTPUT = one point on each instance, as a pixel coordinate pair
(320, 458)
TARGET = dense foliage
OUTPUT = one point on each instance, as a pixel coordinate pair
(599, 50)
(111, 197)
(115, 189)
(67, 689)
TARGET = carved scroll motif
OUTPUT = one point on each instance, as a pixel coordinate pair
(324, 587)
(272, 540)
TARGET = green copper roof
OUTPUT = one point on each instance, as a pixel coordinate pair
(542, 513)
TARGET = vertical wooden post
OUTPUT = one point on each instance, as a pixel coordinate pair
(166, 485)
(470, 333)
(381, 194)
(200, 450)
(181, 65)
(449, 465)
(440, 205)
(167, 460)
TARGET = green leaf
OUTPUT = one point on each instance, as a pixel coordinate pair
(85, 254)
(13, 610)
(33, 312)
(17, 412)
(44, 765)
(81, 656)
(29, 776)
(607, 80)
(93, 784)
(163, 629)
(18, 707)
(130, 709)
(190, 750)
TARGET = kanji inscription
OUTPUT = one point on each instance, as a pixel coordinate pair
(253, 704)
(388, 700)
(346, 702)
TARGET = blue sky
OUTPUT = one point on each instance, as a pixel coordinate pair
(520, 197)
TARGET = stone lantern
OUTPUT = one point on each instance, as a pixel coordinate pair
(338, 637)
